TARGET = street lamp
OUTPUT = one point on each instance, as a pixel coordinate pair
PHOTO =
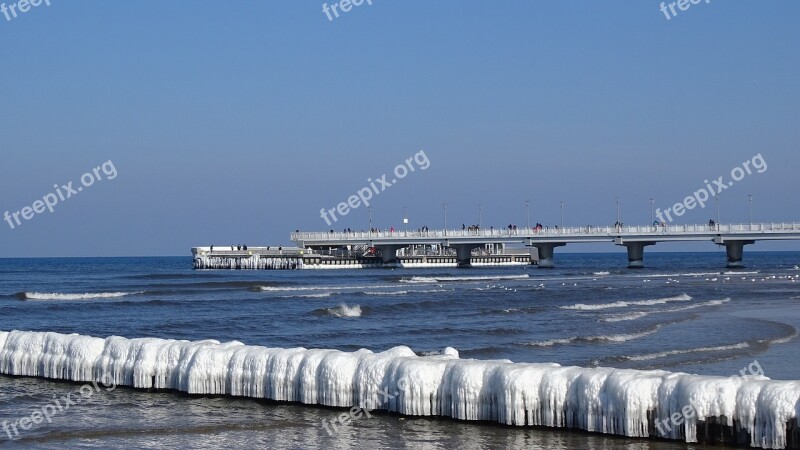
(444, 205)
(528, 212)
(480, 215)
(617, 199)
(716, 198)
(562, 214)
(369, 208)
(652, 202)
(750, 203)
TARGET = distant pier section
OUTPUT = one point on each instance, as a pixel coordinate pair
(544, 240)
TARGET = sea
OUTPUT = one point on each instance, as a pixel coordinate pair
(684, 312)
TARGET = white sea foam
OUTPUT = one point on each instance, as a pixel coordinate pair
(345, 311)
(430, 291)
(625, 304)
(386, 292)
(318, 295)
(602, 338)
(84, 296)
(639, 314)
(625, 317)
(605, 400)
(601, 273)
(320, 288)
(674, 275)
(422, 280)
(664, 354)
(697, 305)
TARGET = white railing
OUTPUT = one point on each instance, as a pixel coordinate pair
(765, 228)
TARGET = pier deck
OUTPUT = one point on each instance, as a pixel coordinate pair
(733, 236)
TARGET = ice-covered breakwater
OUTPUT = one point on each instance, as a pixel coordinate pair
(753, 411)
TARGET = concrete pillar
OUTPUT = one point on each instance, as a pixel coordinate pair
(636, 253)
(464, 253)
(546, 254)
(735, 250)
(389, 253)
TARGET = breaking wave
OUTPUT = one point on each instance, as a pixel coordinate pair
(658, 355)
(611, 338)
(59, 296)
(342, 311)
(319, 288)
(639, 314)
(625, 304)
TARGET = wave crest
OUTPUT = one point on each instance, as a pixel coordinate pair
(625, 304)
(60, 296)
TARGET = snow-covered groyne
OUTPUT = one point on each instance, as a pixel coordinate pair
(748, 410)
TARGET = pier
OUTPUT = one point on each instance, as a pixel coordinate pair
(543, 241)
(352, 257)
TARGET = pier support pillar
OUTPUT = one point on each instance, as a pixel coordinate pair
(635, 253)
(464, 253)
(389, 253)
(735, 250)
(546, 254)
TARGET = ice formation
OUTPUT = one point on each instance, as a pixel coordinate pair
(624, 402)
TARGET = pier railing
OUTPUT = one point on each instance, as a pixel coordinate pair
(765, 228)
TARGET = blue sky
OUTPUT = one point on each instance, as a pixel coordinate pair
(236, 122)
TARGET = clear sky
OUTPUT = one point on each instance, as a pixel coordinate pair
(236, 122)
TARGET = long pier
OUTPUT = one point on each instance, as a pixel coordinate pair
(635, 238)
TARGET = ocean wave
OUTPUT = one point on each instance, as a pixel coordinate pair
(625, 304)
(625, 317)
(611, 338)
(430, 291)
(601, 273)
(441, 279)
(673, 275)
(317, 295)
(640, 314)
(781, 340)
(321, 288)
(385, 292)
(342, 311)
(664, 354)
(697, 305)
(84, 296)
